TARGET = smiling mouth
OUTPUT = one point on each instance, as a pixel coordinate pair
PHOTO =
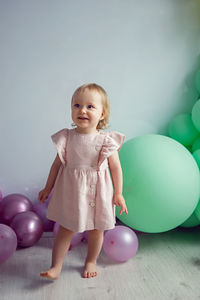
(82, 118)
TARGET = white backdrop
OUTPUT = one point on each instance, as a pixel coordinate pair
(144, 53)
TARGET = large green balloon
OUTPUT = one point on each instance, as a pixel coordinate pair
(161, 183)
(192, 221)
(196, 156)
(182, 129)
(196, 145)
(196, 115)
(197, 81)
(197, 210)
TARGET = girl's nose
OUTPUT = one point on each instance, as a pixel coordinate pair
(83, 109)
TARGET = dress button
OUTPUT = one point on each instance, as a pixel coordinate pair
(92, 204)
(94, 166)
(97, 148)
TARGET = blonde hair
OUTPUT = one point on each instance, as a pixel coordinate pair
(103, 124)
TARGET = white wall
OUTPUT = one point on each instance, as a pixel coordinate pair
(142, 52)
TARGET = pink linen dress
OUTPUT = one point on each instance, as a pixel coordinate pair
(82, 197)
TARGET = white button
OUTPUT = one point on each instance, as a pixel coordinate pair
(93, 186)
(98, 148)
(92, 204)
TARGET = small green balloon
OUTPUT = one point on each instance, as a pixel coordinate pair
(197, 81)
(196, 156)
(196, 115)
(192, 221)
(181, 129)
(196, 145)
(161, 183)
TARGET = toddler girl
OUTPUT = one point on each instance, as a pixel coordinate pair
(82, 197)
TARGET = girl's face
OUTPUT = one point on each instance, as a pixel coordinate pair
(87, 111)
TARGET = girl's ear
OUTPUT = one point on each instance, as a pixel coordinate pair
(102, 115)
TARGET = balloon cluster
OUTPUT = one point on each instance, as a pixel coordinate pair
(161, 177)
(185, 128)
(22, 224)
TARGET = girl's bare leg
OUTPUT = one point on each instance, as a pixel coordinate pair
(95, 242)
(60, 249)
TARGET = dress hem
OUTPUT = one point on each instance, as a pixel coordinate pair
(81, 230)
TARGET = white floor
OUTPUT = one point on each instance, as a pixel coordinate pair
(166, 266)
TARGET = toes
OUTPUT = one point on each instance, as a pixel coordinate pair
(49, 275)
(89, 270)
(93, 274)
(43, 274)
(89, 274)
(85, 274)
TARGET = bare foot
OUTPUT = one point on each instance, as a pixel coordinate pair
(52, 274)
(90, 270)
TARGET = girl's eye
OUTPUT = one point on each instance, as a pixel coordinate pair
(76, 105)
(90, 106)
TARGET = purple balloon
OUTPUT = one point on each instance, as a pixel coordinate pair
(55, 229)
(46, 203)
(8, 242)
(41, 210)
(28, 228)
(85, 236)
(1, 195)
(120, 243)
(76, 239)
(13, 204)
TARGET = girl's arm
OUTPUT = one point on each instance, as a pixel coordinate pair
(117, 178)
(43, 194)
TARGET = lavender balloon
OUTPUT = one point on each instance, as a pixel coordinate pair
(41, 209)
(46, 203)
(85, 236)
(120, 243)
(55, 229)
(8, 242)
(76, 239)
(13, 204)
(28, 228)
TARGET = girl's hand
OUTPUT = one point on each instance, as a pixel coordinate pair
(119, 201)
(43, 195)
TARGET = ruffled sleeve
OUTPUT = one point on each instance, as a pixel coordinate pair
(112, 142)
(60, 140)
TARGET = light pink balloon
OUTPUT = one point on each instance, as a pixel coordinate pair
(8, 242)
(120, 243)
